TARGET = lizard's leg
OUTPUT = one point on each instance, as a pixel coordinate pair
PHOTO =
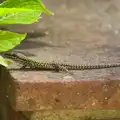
(61, 68)
(24, 64)
(23, 67)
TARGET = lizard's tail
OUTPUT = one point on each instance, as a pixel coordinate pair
(86, 67)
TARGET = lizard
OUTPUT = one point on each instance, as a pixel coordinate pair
(33, 64)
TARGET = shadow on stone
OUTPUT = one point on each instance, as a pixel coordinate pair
(27, 44)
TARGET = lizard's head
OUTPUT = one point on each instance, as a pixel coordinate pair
(13, 55)
(10, 55)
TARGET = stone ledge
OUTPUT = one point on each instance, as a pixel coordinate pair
(31, 91)
(6, 111)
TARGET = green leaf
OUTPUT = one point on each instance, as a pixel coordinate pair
(5, 62)
(21, 11)
(8, 40)
(20, 18)
(36, 5)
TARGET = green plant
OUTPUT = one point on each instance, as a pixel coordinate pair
(17, 12)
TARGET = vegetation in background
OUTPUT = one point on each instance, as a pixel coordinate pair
(17, 12)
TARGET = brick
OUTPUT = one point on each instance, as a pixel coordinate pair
(32, 92)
